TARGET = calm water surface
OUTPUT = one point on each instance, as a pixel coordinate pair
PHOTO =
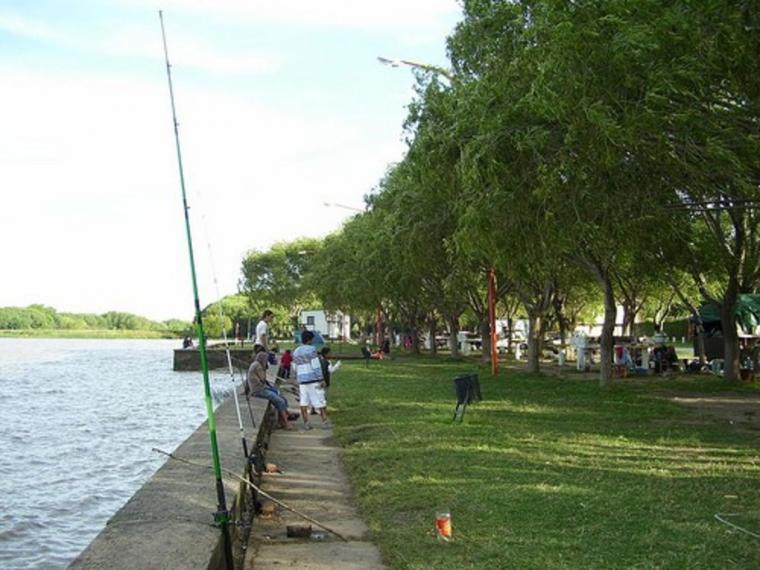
(78, 419)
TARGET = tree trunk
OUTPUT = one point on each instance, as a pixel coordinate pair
(629, 316)
(535, 342)
(562, 320)
(415, 339)
(730, 336)
(432, 330)
(699, 329)
(485, 336)
(659, 321)
(608, 329)
(510, 326)
(453, 333)
(700, 332)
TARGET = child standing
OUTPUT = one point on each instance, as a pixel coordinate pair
(325, 364)
(285, 362)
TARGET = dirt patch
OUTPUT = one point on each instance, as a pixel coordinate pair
(741, 410)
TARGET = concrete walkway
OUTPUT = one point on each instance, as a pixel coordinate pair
(313, 482)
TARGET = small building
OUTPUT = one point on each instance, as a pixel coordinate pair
(333, 326)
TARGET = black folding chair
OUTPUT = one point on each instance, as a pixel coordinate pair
(467, 388)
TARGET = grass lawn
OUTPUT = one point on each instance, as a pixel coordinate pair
(337, 348)
(545, 472)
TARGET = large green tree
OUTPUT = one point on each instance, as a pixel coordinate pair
(278, 277)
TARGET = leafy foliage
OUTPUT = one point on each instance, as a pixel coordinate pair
(43, 317)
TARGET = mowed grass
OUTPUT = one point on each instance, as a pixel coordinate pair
(545, 472)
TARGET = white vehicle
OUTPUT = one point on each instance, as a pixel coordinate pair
(469, 340)
(518, 338)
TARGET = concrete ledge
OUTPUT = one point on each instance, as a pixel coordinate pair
(169, 522)
(190, 358)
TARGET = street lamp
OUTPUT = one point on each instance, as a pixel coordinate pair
(336, 205)
(424, 66)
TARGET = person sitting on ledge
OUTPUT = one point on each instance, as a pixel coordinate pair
(259, 387)
(187, 342)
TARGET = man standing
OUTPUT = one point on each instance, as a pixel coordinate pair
(311, 383)
(262, 331)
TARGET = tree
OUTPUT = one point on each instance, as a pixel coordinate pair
(279, 276)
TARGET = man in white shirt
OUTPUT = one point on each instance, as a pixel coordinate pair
(262, 331)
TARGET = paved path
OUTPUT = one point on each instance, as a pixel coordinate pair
(313, 482)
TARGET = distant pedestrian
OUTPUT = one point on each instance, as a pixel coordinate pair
(310, 380)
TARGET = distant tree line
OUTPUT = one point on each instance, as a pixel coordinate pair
(44, 317)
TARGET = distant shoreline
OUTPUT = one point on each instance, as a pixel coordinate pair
(87, 334)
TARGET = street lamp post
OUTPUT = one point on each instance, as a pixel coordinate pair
(336, 205)
(424, 66)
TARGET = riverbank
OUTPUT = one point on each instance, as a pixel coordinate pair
(94, 334)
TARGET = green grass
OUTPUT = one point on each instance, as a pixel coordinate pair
(545, 473)
(88, 333)
(337, 348)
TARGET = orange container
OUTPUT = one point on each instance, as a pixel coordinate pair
(443, 525)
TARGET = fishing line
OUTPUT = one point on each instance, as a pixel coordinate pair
(207, 235)
(222, 515)
(721, 517)
(224, 336)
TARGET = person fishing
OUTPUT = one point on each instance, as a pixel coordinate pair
(258, 386)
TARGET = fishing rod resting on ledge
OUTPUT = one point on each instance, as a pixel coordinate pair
(222, 515)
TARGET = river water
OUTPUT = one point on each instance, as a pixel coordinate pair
(78, 420)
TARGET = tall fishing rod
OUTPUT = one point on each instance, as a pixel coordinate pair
(229, 359)
(222, 514)
(243, 439)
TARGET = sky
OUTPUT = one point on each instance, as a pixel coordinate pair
(282, 107)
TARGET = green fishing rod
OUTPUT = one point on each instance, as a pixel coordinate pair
(222, 514)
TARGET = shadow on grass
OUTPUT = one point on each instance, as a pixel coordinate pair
(542, 474)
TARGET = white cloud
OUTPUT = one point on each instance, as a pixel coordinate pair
(185, 52)
(133, 42)
(387, 15)
(92, 217)
(27, 28)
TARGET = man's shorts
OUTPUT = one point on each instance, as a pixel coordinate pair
(312, 394)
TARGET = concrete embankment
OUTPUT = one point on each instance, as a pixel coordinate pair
(190, 358)
(169, 522)
(186, 359)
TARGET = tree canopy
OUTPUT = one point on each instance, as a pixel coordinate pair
(586, 152)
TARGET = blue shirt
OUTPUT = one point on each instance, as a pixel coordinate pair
(306, 362)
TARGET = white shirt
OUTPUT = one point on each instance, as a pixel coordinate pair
(262, 330)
